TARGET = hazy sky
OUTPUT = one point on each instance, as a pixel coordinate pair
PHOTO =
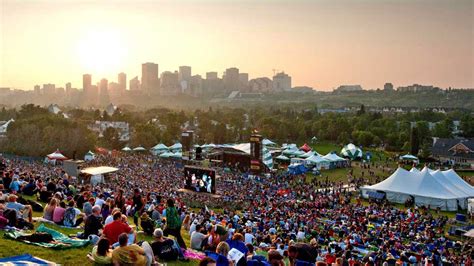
(321, 44)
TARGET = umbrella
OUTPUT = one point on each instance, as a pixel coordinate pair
(126, 149)
(139, 148)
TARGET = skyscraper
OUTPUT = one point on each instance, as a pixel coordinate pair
(103, 87)
(150, 81)
(211, 75)
(244, 82)
(184, 73)
(86, 81)
(122, 81)
(281, 82)
(231, 79)
(134, 84)
(169, 83)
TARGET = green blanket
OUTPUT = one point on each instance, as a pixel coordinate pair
(61, 241)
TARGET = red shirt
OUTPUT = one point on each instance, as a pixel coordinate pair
(114, 229)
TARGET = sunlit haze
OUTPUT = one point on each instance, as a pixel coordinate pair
(321, 44)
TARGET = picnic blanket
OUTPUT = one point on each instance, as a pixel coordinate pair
(60, 240)
(25, 259)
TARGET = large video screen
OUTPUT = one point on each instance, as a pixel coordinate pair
(200, 179)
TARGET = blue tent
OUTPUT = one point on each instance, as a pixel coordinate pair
(297, 169)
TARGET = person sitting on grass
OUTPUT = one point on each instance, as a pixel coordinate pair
(24, 212)
(131, 254)
(71, 215)
(101, 253)
(147, 224)
(116, 228)
(49, 209)
(93, 223)
(165, 248)
(58, 214)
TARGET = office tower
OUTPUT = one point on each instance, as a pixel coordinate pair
(49, 89)
(86, 81)
(122, 81)
(244, 82)
(68, 86)
(150, 82)
(231, 79)
(169, 83)
(184, 73)
(211, 75)
(37, 89)
(195, 86)
(281, 82)
(134, 84)
(103, 87)
(263, 84)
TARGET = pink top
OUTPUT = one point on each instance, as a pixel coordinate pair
(58, 214)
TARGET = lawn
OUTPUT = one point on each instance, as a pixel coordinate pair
(74, 256)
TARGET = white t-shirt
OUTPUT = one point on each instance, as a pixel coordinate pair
(109, 219)
(99, 202)
(249, 238)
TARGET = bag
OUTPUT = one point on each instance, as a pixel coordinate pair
(69, 217)
(167, 252)
(172, 219)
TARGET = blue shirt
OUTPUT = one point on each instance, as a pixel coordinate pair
(15, 185)
(15, 206)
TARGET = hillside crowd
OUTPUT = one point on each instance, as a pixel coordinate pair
(292, 220)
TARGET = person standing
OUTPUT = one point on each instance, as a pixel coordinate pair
(138, 205)
(173, 223)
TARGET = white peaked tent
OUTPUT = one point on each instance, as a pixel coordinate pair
(57, 155)
(89, 156)
(176, 147)
(159, 149)
(268, 142)
(351, 151)
(332, 157)
(435, 190)
(139, 148)
(308, 154)
(318, 161)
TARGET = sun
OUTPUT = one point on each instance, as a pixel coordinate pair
(101, 51)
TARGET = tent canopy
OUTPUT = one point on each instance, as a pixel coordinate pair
(282, 157)
(57, 155)
(268, 142)
(305, 147)
(316, 159)
(308, 154)
(409, 157)
(160, 146)
(332, 157)
(139, 148)
(351, 151)
(176, 146)
(99, 170)
(427, 187)
(126, 149)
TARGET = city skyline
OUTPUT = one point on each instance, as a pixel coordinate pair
(321, 44)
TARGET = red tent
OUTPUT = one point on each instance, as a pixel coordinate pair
(305, 148)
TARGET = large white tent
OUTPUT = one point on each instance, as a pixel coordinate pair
(351, 151)
(429, 188)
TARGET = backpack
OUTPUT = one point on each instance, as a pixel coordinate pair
(172, 219)
(69, 217)
(167, 252)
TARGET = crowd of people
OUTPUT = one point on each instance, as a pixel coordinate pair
(288, 218)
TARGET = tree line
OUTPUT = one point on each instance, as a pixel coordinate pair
(37, 132)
